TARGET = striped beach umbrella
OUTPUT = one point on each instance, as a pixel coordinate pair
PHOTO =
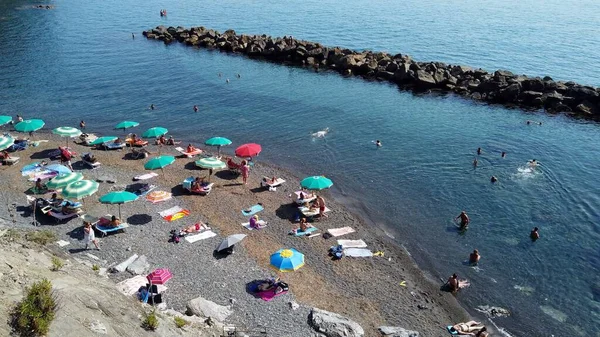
(30, 125)
(154, 132)
(120, 197)
(287, 260)
(6, 142)
(210, 163)
(5, 120)
(64, 179)
(67, 131)
(218, 142)
(316, 183)
(126, 125)
(80, 189)
(159, 276)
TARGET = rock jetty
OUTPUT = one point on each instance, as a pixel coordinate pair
(500, 87)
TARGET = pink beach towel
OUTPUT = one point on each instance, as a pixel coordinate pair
(269, 294)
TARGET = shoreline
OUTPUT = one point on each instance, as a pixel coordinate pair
(342, 282)
(500, 87)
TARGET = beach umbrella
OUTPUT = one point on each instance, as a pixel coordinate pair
(118, 198)
(159, 162)
(287, 260)
(80, 189)
(5, 120)
(64, 179)
(154, 132)
(230, 241)
(6, 142)
(218, 142)
(60, 169)
(67, 131)
(102, 140)
(210, 163)
(159, 276)
(29, 125)
(248, 150)
(126, 125)
(316, 183)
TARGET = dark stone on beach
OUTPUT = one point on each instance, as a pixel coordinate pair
(424, 79)
(533, 84)
(510, 93)
(585, 107)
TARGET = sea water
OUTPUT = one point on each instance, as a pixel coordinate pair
(79, 61)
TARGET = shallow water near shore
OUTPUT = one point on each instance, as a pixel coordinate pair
(80, 61)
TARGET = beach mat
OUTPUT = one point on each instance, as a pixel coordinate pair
(341, 231)
(158, 196)
(352, 243)
(145, 176)
(308, 213)
(269, 294)
(358, 252)
(130, 286)
(174, 213)
(252, 210)
(262, 223)
(307, 231)
(201, 236)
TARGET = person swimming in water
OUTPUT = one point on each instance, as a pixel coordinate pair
(534, 235)
(478, 150)
(475, 162)
(464, 219)
(493, 179)
(474, 257)
(195, 108)
(503, 154)
(378, 143)
(152, 106)
(533, 163)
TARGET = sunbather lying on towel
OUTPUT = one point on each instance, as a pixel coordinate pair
(270, 181)
(89, 157)
(302, 226)
(198, 184)
(193, 228)
(190, 148)
(468, 328)
(39, 185)
(171, 141)
(254, 222)
(272, 284)
(55, 200)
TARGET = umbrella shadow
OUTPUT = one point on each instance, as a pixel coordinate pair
(178, 190)
(227, 175)
(222, 254)
(258, 189)
(24, 211)
(44, 154)
(287, 212)
(139, 219)
(191, 166)
(252, 287)
(79, 166)
(77, 250)
(76, 233)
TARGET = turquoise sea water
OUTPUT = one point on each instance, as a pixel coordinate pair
(79, 61)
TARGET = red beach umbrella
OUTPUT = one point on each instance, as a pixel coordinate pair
(248, 150)
(159, 276)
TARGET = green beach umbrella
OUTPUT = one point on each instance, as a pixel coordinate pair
(159, 163)
(126, 125)
(67, 131)
(118, 198)
(5, 120)
(211, 163)
(316, 183)
(6, 142)
(80, 189)
(29, 125)
(64, 179)
(217, 141)
(103, 140)
(154, 132)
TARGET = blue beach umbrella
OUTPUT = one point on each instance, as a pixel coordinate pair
(60, 169)
(287, 260)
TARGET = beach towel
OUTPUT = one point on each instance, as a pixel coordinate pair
(307, 231)
(158, 196)
(188, 154)
(42, 175)
(308, 212)
(201, 236)
(31, 168)
(252, 210)
(311, 197)
(341, 231)
(59, 216)
(145, 176)
(174, 213)
(358, 252)
(270, 294)
(114, 146)
(131, 286)
(104, 229)
(276, 183)
(261, 224)
(352, 243)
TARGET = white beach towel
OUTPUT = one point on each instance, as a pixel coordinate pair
(145, 176)
(62, 243)
(170, 211)
(307, 212)
(201, 236)
(341, 231)
(310, 198)
(352, 243)
(276, 183)
(261, 223)
(130, 286)
(358, 252)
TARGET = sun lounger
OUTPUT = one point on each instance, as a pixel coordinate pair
(201, 236)
(145, 176)
(139, 153)
(352, 243)
(85, 159)
(174, 213)
(233, 166)
(188, 154)
(307, 231)
(103, 226)
(111, 146)
(252, 210)
(309, 197)
(266, 182)
(311, 212)
(358, 252)
(138, 143)
(261, 224)
(341, 231)
(204, 190)
(86, 139)
(58, 216)
(10, 160)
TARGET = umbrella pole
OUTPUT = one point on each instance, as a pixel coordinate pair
(219, 150)
(120, 217)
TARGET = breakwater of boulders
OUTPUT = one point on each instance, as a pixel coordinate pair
(500, 87)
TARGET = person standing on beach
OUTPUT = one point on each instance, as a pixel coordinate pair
(89, 236)
(321, 203)
(534, 235)
(245, 169)
(464, 219)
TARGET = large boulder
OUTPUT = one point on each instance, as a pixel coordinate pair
(205, 308)
(401, 75)
(510, 93)
(139, 266)
(333, 325)
(533, 84)
(396, 331)
(424, 79)
(121, 267)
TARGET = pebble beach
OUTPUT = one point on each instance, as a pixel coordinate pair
(375, 291)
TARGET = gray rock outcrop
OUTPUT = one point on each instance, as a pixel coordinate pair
(121, 267)
(139, 266)
(205, 308)
(396, 331)
(333, 325)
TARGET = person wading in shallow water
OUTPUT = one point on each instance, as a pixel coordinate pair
(464, 220)
(534, 235)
